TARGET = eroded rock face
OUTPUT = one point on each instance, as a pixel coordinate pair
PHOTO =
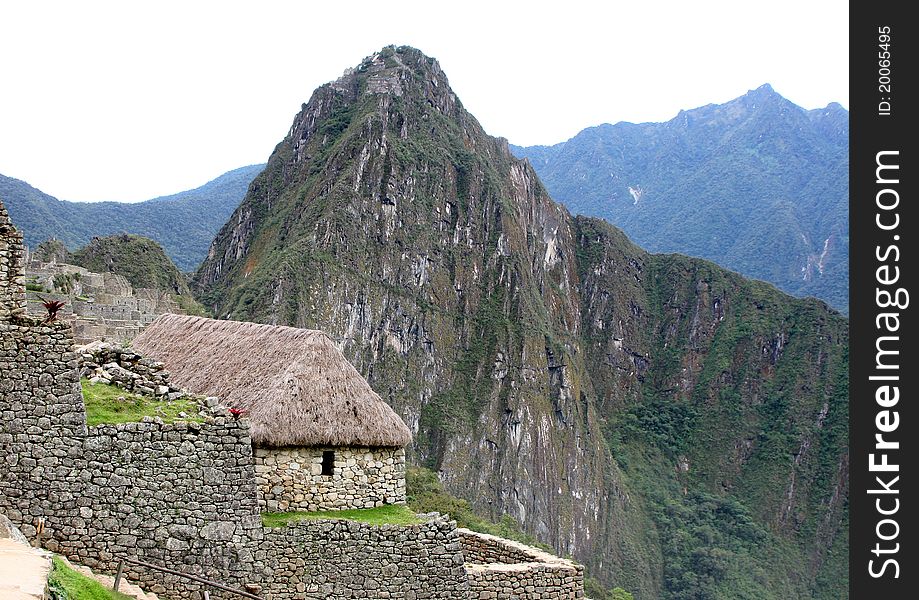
(517, 341)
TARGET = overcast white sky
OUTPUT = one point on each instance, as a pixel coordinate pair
(131, 100)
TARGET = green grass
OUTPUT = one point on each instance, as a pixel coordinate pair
(67, 584)
(391, 514)
(109, 404)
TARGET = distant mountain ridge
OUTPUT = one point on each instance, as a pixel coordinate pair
(183, 223)
(758, 185)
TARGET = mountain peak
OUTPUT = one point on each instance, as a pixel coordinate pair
(388, 70)
(764, 94)
(499, 325)
(396, 82)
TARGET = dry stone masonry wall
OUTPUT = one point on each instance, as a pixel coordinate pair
(360, 561)
(503, 569)
(12, 281)
(41, 420)
(175, 495)
(292, 478)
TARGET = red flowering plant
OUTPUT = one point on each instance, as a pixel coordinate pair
(237, 412)
(52, 306)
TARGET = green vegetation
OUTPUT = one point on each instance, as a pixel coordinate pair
(106, 403)
(35, 287)
(426, 494)
(390, 514)
(184, 223)
(64, 282)
(140, 260)
(595, 591)
(66, 584)
(191, 306)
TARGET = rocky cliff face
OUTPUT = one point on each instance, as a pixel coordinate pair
(532, 353)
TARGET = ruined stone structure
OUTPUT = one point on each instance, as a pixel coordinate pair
(185, 495)
(509, 569)
(12, 283)
(100, 306)
(102, 362)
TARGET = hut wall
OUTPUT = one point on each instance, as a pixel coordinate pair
(292, 478)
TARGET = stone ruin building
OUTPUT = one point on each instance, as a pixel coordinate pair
(323, 439)
(99, 306)
(189, 496)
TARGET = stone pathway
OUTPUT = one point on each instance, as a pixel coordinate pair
(23, 571)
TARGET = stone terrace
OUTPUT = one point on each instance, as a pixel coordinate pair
(100, 306)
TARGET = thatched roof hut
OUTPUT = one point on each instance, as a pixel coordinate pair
(297, 387)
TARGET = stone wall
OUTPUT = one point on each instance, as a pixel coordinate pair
(503, 569)
(291, 478)
(480, 548)
(42, 419)
(342, 559)
(12, 282)
(179, 495)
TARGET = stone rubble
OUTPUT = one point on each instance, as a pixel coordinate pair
(103, 362)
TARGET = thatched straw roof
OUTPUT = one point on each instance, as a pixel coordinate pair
(298, 389)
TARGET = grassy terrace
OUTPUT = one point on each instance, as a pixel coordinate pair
(67, 584)
(393, 514)
(108, 404)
